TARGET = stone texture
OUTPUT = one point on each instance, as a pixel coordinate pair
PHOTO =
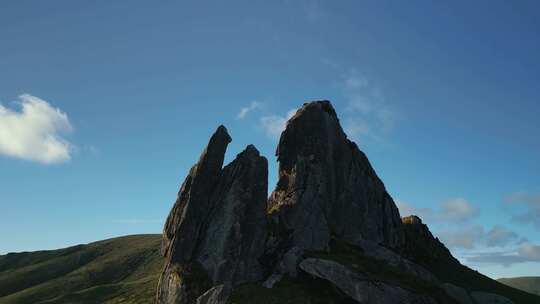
(398, 262)
(359, 287)
(215, 295)
(290, 260)
(216, 230)
(327, 186)
(489, 298)
(457, 293)
(272, 280)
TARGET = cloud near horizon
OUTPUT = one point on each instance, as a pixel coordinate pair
(34, 132)
(531, 203)
(524, 253)
(455, 210)
(472, 236)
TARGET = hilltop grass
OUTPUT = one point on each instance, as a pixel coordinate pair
(528, 284)
(126, 270)
(119, 270)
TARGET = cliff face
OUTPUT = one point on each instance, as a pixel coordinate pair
(217, 227)
(327, 187)
(329, 223)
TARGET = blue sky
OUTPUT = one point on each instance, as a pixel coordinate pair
(106, 105)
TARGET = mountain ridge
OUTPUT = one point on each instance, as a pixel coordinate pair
(328, 233)
(328, 220)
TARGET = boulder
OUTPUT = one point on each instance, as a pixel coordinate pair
(398, 262)
(457, 293)
(359, 287)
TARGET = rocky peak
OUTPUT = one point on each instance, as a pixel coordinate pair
(411, 220)
(216, 230)
(421, 246)
(327, 186)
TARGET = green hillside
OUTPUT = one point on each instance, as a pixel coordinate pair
(528, 284)
(126, 270)
(119, 270)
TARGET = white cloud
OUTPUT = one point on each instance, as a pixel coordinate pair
(34, 132)
(275, 124)
(245, 110)
(458, 210)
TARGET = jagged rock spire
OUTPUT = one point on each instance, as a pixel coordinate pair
(327, 187)
(216, 230)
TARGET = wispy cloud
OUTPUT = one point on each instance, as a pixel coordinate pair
(473, 236)
(246, 110)
(406, 209)
(34, 132)
(455, 210)
(275, 124)
(524, 253)
(367, 109)
(466, 237)
(531, 204)
(500, 236)
(458, 210)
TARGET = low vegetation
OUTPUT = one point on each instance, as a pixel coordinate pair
(119, 270)
(528, 284)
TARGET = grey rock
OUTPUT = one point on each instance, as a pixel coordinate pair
(290, 260)
(272, 280)
(327, 186)
(215, 295)
(359, 287)
(236, 232)
(489, 298)
(399, 263)
(457, 293)
(217, 227)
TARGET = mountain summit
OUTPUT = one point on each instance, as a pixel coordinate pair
(328, 233)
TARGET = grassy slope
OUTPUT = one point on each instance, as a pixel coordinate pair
(528, 284)
(435, 257)
(119, 270)
(126, 270)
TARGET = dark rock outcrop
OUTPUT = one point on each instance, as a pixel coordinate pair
(457, 293)
(361, 288)
(216, 230)
(422, 247)
(329, 220)
(327, 186)
(489, 298)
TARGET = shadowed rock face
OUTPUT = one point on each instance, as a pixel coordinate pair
(222, 231)
(327, 186)
(217, 227)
